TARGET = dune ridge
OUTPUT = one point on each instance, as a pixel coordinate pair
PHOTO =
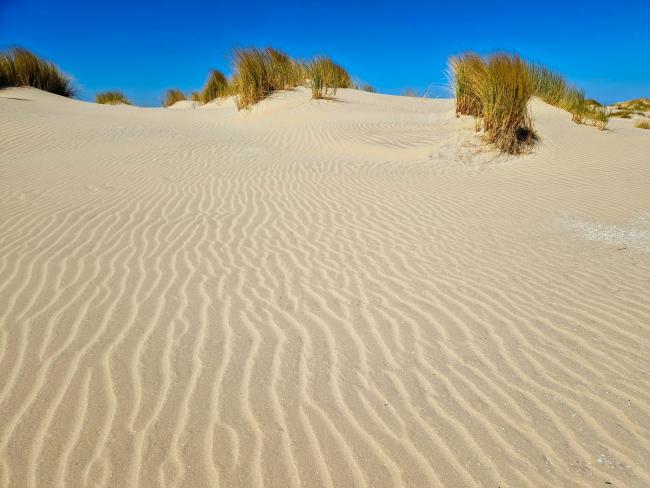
(340, 293)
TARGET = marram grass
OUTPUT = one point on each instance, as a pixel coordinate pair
(325, 76)
(642, 124)
(260, 72)
(20, 67)
(215, 87)
(112, 98)
(496, 90)
(172, 96)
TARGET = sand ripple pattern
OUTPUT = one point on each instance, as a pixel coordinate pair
(317, 294)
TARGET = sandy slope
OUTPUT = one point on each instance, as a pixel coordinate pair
(338, 294)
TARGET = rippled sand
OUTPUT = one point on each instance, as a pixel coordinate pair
(341, 294)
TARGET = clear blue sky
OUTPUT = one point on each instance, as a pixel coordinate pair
(144, 47)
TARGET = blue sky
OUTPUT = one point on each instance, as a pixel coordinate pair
(145, 47)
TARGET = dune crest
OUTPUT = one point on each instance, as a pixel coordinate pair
(319, 293)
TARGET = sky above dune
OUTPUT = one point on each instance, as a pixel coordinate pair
(146, 47)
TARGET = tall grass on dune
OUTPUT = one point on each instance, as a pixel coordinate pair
(496, 91)
(172, 96)
(504, 93)
(283, 71)
(112, 98)
(466, 71)
(215, 87)
(20, 67)
(260, 72)
(555, 90)
(326, 76)
(252, 78)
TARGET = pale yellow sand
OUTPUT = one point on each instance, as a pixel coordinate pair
(338, 294)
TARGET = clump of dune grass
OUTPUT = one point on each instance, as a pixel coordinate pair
(326, 77)
(172, 96)
(623, 114)
(642, 124)
(20, 67)
(252, 77)
(467, 70)
(196, 96)
(112, 98)
(496, 91)
(284, 72)
(260, 72)
(215, 87)
(504, 93)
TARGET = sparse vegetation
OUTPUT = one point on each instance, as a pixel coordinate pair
(361, 85)
(598, 116)
(636, 105)
(553, 88)
(623, 114)
(20, 67)
(172, 96)
(364, 87)
(415, 92)
(496, 90)
(642, 124)
(215, 87)
(112, 98)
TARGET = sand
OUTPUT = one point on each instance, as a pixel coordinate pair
(349, 293)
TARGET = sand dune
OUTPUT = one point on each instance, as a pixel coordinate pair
(339, 294)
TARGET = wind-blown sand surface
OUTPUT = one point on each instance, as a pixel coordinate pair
(344, 294)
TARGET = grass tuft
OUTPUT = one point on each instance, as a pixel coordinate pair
(252, 78)
(172, 96)
(112, 98)
(215, 87)
(496, 91)
(326, 76)
(20, 67)
(260, 72)
(468, 70)
(642, 124)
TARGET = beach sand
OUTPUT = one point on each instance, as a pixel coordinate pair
(347, 293)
